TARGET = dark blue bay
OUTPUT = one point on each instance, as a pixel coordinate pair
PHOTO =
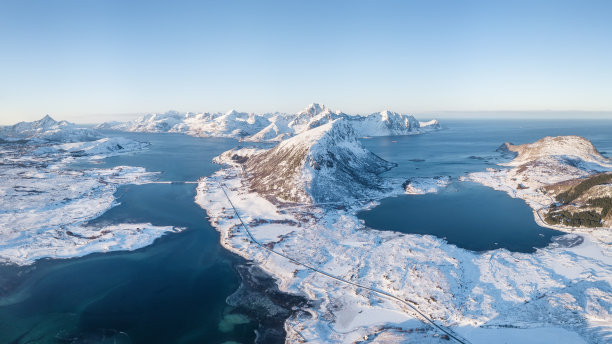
(468, 215)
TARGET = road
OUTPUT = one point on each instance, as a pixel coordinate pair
(406, 303)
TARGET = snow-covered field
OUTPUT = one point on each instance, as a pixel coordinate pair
(46, 205)
(559, 294)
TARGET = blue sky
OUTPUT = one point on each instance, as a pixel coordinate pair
(91, 61)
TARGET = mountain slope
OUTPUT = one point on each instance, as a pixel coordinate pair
(230, 124)
(47, 129)
(324, 164)
(567, 147)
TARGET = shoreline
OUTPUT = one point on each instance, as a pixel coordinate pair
(340, 235)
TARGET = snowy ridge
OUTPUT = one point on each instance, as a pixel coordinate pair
(272, 126)
(569, 147)
(324, 164)
(277, 130)
(386, 123)
(47, 129)
(230, 124)
(313, 116)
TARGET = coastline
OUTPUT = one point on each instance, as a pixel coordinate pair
(336, 241)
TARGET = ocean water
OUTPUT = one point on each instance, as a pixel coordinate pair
(469, 145)
(465, 214)
(173, 291)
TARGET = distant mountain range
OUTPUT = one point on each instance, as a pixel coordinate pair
(272, 126)
(48, 129)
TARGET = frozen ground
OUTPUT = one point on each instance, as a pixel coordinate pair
(45, 205)
(559, 294)
(424, 185)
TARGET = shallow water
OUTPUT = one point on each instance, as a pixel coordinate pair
(470, 216)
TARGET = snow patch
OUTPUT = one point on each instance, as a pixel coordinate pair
(424, 185)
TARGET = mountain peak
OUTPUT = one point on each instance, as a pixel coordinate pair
(323, 164)
(48, 129)
(47, 120)
(313, 109)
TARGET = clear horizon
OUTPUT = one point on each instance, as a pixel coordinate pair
(92, 62)
(442, 115)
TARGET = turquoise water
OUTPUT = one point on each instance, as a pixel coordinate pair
(468, 215)
(173, 291)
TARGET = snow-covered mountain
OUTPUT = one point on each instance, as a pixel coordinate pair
(47, 129)
(231, 124)
(320, 164)
(313, 116)
(153, 123)
(385, 123)
(272, 126)
(50, 137)
(277, 130)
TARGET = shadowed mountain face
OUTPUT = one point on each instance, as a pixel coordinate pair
(325, 164)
